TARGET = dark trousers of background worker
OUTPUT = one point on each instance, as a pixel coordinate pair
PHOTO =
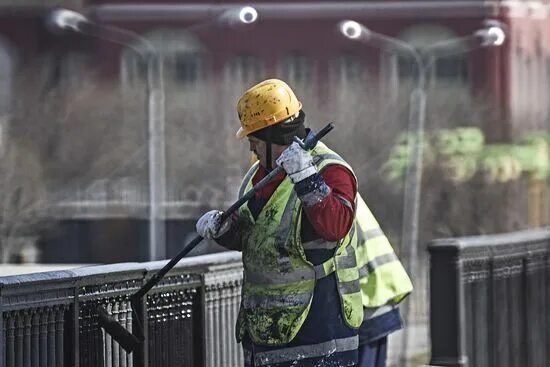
(373, 338)
(373, 354)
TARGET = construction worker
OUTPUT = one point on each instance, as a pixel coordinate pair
(321, 281)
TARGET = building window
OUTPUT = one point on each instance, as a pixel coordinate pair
(182, 57)
(187, 67)
(516, 81)
(179, 67)
(547, 86)
(133, 68)
(347, 68)
(390, 75)
(406, 67)
(73, 69)
(6, 74)
(448, 70)
(451, 68)
(245, 68)
(297, 69)
(527, 69)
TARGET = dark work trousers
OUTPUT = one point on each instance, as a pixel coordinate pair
(373, 338)
(374, 354)
(324, 323)
(373, 344)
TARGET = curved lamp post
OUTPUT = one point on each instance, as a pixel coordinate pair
(68, 20)
(493, 34)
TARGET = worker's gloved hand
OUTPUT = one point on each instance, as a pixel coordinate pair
(209, 226)
(297, 162)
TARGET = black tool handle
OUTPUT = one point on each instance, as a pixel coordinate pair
(309, 143)
(165, 269)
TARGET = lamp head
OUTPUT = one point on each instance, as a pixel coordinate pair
(351, 29)
(493, 35)
(238, 16)
(248, 15)
(497, 35)
(65, 19)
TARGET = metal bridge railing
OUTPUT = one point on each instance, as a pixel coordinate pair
(490, 297)
(50, 319)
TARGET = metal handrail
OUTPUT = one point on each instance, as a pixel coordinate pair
(50, 318)
(489, 298)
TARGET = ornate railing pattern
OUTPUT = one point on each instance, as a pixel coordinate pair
(50, 319)
(490, 297)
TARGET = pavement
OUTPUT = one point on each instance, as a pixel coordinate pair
(418, 353)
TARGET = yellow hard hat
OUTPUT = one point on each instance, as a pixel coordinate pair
(265, 104)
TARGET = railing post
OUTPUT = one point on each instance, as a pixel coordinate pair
(447, 312)
(27, 315)
(221, 300)
(200, 325)
(2, 331)
(141, 355)
(35, 339)
(74, 333)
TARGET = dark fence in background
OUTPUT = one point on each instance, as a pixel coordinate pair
(490, 300)
(50, 319)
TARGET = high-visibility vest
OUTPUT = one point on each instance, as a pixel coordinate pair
(279, 280)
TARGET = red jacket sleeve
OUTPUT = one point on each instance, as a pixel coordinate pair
(332, 218)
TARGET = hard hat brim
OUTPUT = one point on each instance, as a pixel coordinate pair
(241, 133)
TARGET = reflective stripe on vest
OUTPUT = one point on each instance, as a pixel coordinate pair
(276, 278)
(372, 265)
(370, 234)
(293, 354)
(320, 244)
(268, 301)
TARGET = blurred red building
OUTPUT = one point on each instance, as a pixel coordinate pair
(298, 39)
(295, 40)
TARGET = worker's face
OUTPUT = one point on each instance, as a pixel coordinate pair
(259, 148)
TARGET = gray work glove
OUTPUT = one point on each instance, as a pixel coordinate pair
(208, 226)
(297, 163)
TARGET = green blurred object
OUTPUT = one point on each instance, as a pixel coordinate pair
(459, 168)
(462, 140)
(498, 163)
(469, 140)
(460, 153)
(445, 142)
(533, 155)
(395, 168)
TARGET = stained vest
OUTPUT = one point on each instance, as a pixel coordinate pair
(279, 280)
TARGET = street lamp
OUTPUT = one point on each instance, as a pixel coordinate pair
(493, 34)
(245, 15)
(68, 20)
